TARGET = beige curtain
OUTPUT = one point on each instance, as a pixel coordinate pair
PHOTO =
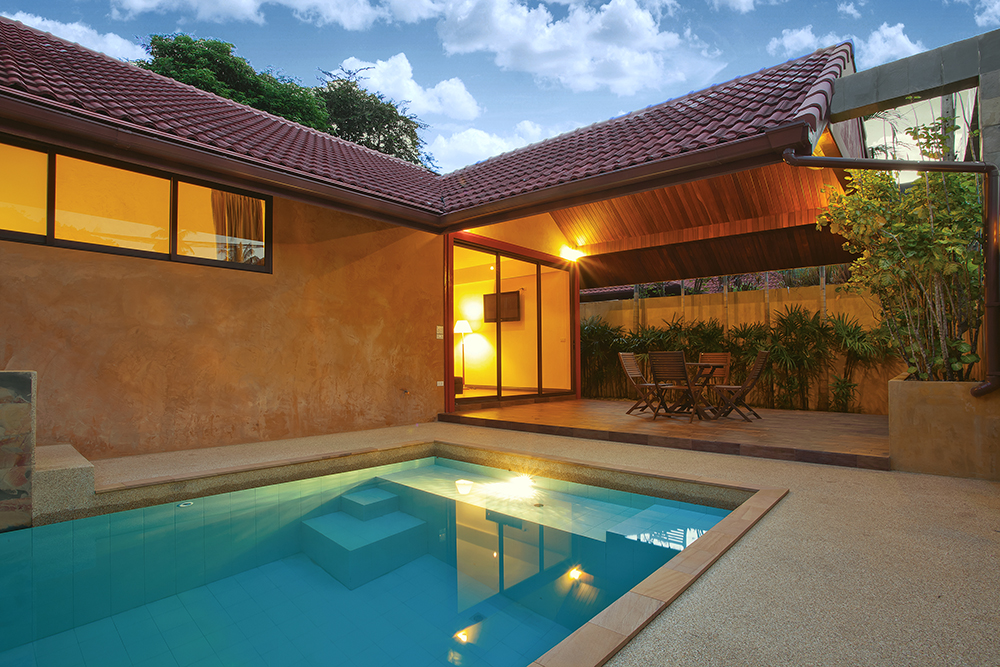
(239, 226)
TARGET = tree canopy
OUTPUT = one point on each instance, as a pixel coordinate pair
(371, 120)
(341, 108)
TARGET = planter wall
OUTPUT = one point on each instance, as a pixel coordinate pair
(941, 429)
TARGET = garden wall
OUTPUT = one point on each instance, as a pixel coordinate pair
(750, 306)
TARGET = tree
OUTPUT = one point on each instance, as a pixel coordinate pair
(920, 253)
(211, 65)
(372, 120)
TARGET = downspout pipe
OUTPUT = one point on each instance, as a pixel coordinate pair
(991, 232)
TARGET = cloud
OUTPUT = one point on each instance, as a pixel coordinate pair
(885, 44)
(474, 145)
(848, 9)
(988, 13)
(394, 79)
(349, 14)
(618, 46)
(741, 6)
(796, 42)
(81, 33)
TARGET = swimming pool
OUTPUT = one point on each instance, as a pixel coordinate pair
(395, 565)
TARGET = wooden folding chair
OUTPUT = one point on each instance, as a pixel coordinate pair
(719, 375)
(734, 396)
(646, 390)
(670, 373)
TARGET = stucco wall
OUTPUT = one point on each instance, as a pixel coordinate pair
(136, 355)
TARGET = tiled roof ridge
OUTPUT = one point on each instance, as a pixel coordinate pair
(816, 104)
(828, 72)
(166, 80)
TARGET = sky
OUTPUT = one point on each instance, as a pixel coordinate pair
(489, 76)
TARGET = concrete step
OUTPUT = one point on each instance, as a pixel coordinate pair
(355, 551)
(369, 504)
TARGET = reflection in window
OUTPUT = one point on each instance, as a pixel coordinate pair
(214, 224)
(114, 207)
(23, 184)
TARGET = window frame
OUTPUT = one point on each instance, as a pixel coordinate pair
(49, 238)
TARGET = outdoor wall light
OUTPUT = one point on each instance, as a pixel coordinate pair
(463, 486)
(570, 253)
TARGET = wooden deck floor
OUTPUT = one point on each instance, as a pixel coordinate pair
(860, 441)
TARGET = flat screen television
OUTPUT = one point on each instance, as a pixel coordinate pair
(510, 307)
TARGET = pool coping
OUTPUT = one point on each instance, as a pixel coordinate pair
(594, 643)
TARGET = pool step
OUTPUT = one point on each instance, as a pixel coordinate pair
(356, 550)
(369, 503)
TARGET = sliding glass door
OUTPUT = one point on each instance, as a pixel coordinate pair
(512, 325)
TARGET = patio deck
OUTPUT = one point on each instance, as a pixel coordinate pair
(832, 438)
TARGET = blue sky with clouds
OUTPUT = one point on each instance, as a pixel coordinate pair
(492, 75)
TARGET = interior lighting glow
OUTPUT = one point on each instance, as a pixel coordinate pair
(572, 254)
(575, 573)
(463, 486)
(462, 636)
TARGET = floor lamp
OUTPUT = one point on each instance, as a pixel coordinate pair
(462, 327)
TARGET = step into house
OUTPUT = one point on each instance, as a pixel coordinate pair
(368, 538)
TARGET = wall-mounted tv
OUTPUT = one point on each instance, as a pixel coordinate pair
(510, 307)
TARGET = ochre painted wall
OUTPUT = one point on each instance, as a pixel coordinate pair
(137, 355)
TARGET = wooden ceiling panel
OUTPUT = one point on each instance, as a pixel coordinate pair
(783, 248)
(764, 192)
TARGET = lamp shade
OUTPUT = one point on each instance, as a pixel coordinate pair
(462, 327)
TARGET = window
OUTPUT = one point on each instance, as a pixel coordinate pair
(215, 224)
(91, 208)
(23, 188)
(100, 206)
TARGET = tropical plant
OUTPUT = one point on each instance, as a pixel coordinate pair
(860, 348)
(920, 254)
(801, 349)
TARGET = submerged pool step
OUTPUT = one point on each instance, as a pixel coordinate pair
(369, 504)
(357, 550)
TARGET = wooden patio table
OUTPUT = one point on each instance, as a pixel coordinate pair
(692, 379)
(700, 380)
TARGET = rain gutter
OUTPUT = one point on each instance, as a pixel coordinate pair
(991, 232)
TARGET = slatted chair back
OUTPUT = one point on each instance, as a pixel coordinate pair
(754, 374)
(648, 397)
(733, 397)
(631, 367)
(669, 367)
(719, 375)
(670, 375)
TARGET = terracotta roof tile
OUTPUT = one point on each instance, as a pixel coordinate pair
(43, 68)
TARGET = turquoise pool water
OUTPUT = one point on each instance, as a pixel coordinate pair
(391, 565)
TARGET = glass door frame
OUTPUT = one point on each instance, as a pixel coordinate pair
(492, 246)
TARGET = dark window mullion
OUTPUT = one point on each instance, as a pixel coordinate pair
(172, 224)
(538, 321)
(50, 201)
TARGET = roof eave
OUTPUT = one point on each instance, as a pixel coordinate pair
(730, 157)
(76, 130)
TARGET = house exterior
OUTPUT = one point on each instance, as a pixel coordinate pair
(184, 272)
